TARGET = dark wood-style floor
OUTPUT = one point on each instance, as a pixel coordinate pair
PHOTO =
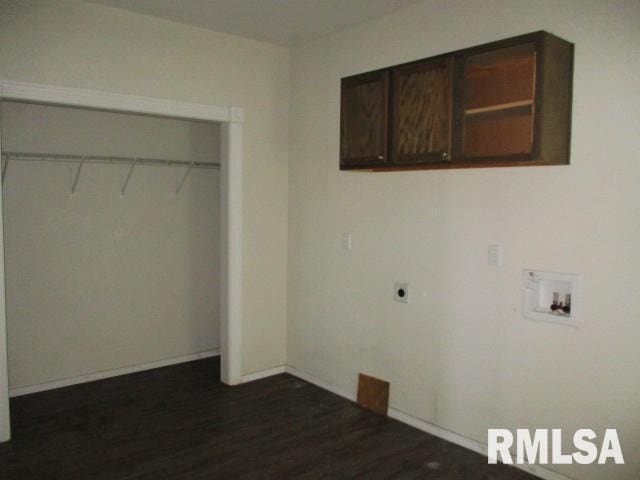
(179, 422)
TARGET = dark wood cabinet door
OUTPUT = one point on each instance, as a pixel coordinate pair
(363, 120)
(421, 112)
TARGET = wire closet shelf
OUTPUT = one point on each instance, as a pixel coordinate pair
(132, 162)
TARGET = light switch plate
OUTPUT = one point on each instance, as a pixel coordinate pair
(494, 255)
(346, 242)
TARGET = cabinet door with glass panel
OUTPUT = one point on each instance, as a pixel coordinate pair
(363, 120)
(421, 112)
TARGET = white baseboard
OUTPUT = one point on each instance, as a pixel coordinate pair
(468, 443)
(41, 387)
(263, 374)
(320, 383)
(445, 434)
(434, 430)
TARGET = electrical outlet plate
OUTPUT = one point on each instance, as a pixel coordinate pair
(401, 292)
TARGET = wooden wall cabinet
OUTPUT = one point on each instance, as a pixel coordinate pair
(506, 103)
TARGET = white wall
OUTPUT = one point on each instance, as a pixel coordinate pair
(460, 354)
(97, 281)
(72, 43)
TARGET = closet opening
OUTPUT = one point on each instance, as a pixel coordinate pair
(121, 239)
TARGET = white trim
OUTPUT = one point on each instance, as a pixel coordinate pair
(467, 443)
(430, 428)
(263, 374)
(79, 97)
(116, 372)
(5, 421)
(231, 245)
(236, 115)
(447, 435)
(320, 383)
(231, 160)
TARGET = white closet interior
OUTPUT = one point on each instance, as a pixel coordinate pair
(112, 231)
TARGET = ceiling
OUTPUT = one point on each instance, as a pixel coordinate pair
(283, 22)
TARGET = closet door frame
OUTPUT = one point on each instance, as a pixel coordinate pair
(231, 119)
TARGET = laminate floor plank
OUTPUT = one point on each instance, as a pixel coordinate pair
(181, 423)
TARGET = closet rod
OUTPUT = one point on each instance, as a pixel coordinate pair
(56, 157)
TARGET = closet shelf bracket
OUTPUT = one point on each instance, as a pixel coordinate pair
(184, 178)
(5, 165)
(126, 181)
(75, 180)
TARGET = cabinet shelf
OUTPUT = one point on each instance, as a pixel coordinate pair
(499, 107)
